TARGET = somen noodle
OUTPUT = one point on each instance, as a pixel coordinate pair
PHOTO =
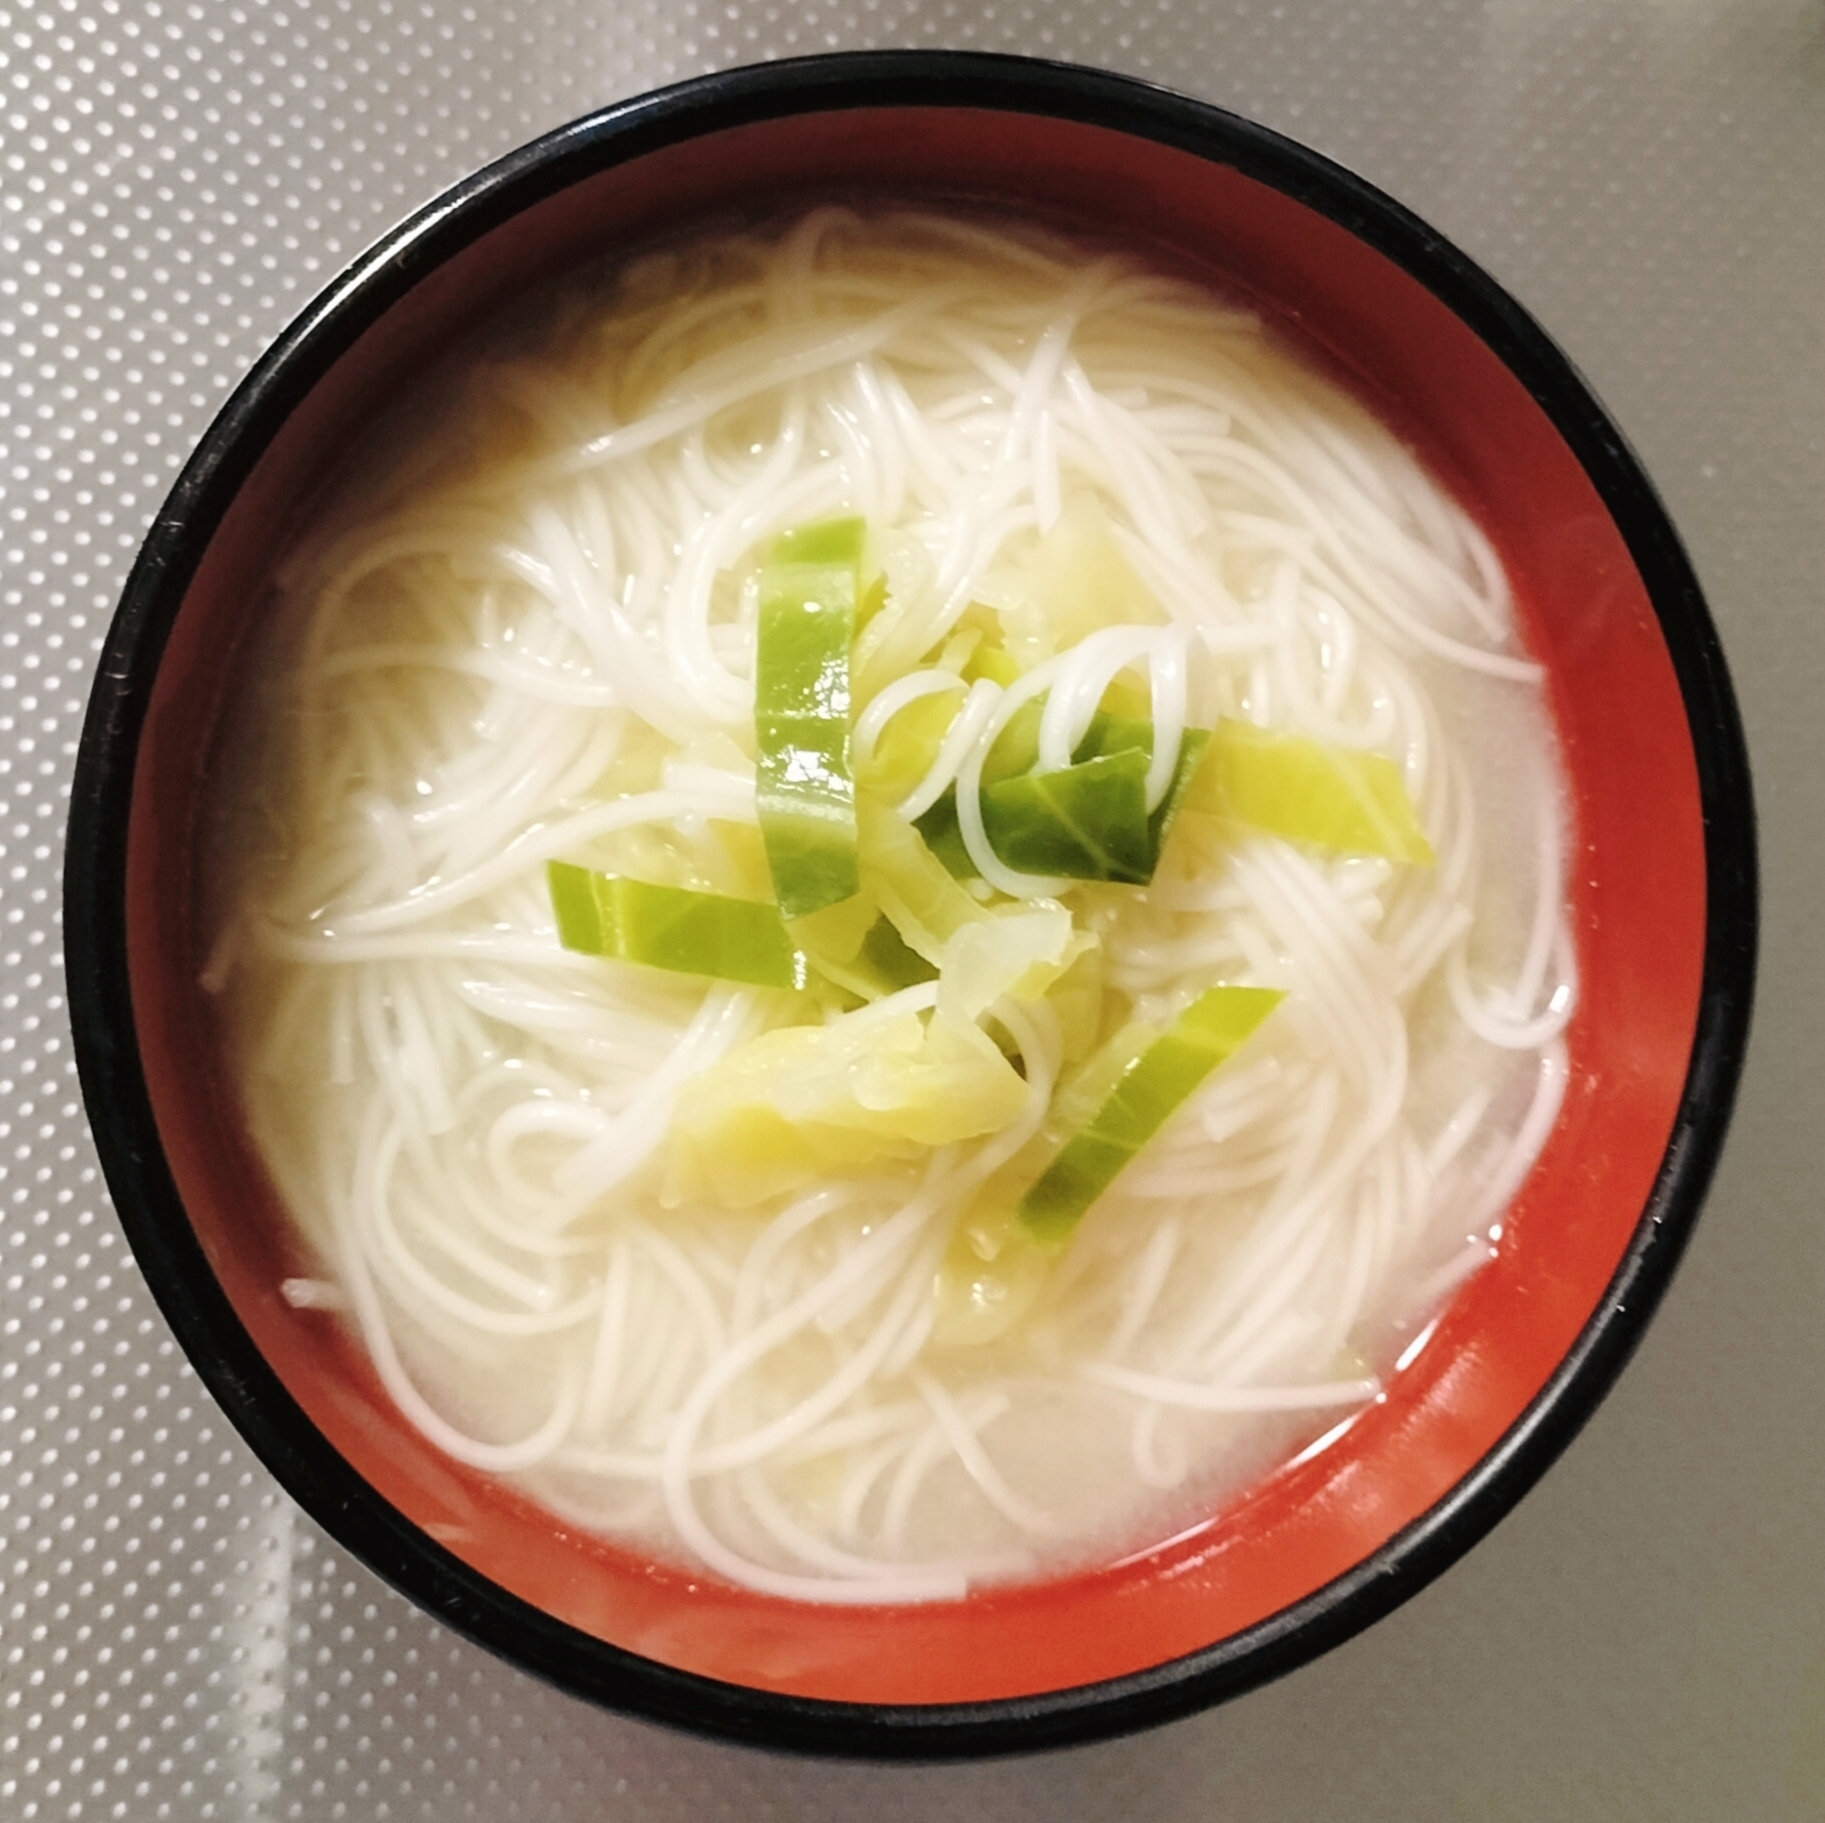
(526, 634)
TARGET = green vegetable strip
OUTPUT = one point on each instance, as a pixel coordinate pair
(667, 927)
(1083, 822)
(1120, 733)
(697, 933)
(1309, 791)
(1155, 1084)
(805, 792)
(830, 542)
(1086, 821)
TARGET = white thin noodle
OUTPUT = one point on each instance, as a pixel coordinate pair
(544, 649)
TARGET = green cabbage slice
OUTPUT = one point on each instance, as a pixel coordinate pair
(804, 789)
(1085, 821)
(1309, 791)
(1149, 1076)
(671, 927)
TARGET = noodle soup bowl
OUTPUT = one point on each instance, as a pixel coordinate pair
(1662, 911)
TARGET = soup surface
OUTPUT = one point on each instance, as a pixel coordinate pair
(889, 901)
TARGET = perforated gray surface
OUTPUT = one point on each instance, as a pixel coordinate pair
(1642, 1640)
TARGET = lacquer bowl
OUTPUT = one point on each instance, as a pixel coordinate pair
(1663, 908)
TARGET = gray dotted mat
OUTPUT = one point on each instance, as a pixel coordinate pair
(1645, 1639)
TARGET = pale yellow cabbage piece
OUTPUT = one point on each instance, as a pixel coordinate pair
(796, 1104)
(1019, 952)
(803, 1101)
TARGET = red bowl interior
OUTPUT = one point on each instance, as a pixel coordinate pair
(1637, 884)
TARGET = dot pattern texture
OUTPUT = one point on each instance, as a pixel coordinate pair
(1645, 1640)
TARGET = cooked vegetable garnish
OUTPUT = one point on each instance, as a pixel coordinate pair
(856, 948)
(915, 892)
(1121, 734)
(805, 793)
(1086, 821)
(669, 927)
(1309, 791)
(801, 1101)
(792, 1104)
(832, 941)
(1154, 1074)
(837, 932)
(1020, 953)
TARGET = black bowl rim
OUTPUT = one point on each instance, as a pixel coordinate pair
(119, 1106)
